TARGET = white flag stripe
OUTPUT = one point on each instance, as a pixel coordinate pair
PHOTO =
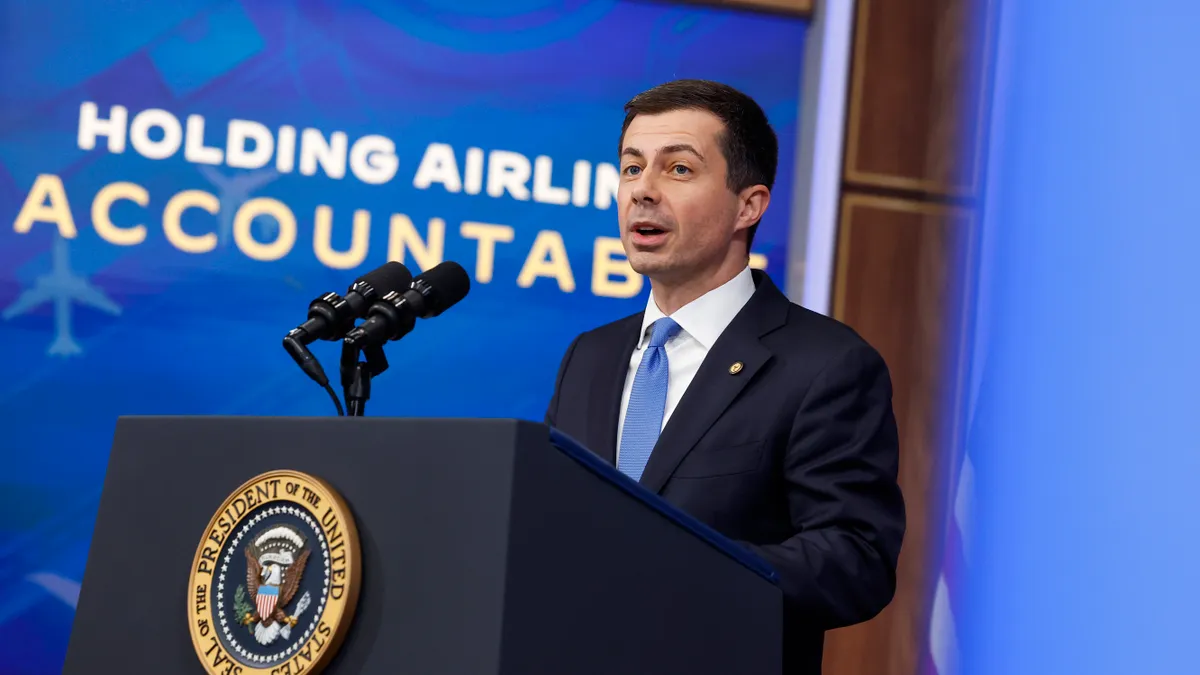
(943, 638)
(964, 504)
(265, 604)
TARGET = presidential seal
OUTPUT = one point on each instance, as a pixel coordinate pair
(275, 579)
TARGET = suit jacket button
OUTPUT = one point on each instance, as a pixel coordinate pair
(735, 368)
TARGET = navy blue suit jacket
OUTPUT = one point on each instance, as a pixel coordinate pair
(795, 455)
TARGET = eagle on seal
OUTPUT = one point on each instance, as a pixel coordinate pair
(274, 566)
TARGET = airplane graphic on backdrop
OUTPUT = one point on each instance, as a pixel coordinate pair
(64, 288)
(232, 192)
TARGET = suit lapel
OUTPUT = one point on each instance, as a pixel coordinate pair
(714, 387)
(605, 414)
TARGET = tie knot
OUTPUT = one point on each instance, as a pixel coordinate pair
(663, 330)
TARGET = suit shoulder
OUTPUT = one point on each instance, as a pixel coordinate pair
(823, 335)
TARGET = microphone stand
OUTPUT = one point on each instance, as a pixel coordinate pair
(356, 375)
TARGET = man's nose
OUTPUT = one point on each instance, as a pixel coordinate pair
(646, 191)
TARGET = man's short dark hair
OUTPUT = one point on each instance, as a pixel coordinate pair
(748, 142)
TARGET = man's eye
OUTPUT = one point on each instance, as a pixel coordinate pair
(680, 169)
(633, 170)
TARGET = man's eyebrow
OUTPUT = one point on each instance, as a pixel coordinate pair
(666, 150)
(682, 147)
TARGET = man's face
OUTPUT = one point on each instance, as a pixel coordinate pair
(677, 213)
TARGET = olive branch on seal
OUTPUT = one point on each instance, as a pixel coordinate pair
(241, 606)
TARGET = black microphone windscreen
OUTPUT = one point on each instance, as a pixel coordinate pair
(449, 283)
(393, 276)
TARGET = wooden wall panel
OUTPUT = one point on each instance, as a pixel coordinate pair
(896, 280)
(912, 124)
(909, 212)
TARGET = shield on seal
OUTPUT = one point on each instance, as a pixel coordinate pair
(265, 600)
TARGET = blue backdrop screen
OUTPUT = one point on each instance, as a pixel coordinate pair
(178, 180)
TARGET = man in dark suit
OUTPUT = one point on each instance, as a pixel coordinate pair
(769, 422)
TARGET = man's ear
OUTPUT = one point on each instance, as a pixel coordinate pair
(752, 204)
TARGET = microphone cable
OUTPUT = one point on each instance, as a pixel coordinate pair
(336, 402)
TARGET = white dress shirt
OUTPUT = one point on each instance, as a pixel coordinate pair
(702, 321)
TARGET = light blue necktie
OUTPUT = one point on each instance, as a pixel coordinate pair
(647, 402)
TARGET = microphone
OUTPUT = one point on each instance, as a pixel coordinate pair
(395, 314)
(331, 316)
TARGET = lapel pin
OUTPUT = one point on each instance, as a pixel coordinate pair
(735, 368)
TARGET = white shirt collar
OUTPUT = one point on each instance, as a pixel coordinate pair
(706, 317)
